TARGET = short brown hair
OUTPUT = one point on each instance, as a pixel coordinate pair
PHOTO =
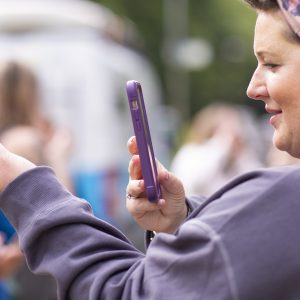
(263, 4)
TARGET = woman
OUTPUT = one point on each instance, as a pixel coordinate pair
(26, 131)
(220, 144)
(243, 242)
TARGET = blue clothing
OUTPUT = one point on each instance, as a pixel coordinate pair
(9, 232)
(242, 243)
(4, 292)
(6, 227)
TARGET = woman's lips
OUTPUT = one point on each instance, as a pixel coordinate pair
(274, 119)
(276, 115)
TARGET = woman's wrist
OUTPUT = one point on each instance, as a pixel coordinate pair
(150, 234)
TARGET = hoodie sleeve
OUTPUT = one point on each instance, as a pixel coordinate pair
(91, 259)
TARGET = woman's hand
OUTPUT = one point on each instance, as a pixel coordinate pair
(167, 213)
(11, 166)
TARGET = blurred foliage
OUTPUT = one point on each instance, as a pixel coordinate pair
(227, 25)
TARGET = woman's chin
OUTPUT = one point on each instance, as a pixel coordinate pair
(279, 142)
(282, 145)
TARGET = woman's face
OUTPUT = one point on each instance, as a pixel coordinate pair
(276, 80)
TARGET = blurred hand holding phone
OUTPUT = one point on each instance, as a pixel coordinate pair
(143, 138)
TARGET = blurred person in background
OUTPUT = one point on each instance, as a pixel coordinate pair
(222, 142)
(25, 130)
(21, 109)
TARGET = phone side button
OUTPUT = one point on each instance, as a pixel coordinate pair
(136, 114)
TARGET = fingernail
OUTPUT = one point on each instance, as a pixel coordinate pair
(161, 202)
(140, 184)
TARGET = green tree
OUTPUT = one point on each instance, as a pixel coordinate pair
(226, 25)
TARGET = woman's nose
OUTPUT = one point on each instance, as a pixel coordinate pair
(257, 88)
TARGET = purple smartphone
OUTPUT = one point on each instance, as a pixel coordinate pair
(143, 138)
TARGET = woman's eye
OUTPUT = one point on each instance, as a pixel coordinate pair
(271, 66)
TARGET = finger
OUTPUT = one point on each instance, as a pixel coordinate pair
(132, 146)
(134, 168)
(136, 188)
(140, 206)
(160, 166)
(171, 183)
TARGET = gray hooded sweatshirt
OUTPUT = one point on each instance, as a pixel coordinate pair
(242, 243)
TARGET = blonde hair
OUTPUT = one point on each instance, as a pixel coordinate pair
(207, 120)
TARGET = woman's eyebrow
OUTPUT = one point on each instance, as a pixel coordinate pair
(261, 53)
(264, 53)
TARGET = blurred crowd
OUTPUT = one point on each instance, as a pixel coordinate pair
(88, 150)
